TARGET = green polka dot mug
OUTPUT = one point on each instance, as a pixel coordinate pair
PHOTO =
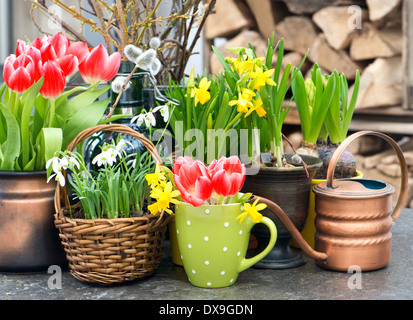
(213, 243)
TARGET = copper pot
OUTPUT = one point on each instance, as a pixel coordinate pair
(28, 239)
(354, 217)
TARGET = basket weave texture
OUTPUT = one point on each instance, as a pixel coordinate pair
(110, 251)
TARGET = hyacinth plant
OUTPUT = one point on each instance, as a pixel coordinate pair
(193, 182)
(313, 97)
(325, 114)
(259, 93)
(118, 189)
(337, 122)
(37, 115)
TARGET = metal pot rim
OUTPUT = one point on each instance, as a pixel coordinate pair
(22, 173)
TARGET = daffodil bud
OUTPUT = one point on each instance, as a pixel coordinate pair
(209, 123)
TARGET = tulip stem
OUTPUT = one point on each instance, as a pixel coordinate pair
(52, 111)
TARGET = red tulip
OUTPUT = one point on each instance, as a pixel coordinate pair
(33, 52)
(60, 43)
(228, 175)
(179, 162)
(18, 73)
(193, 182)
(99, 66)
(54, 80)
(78, 49)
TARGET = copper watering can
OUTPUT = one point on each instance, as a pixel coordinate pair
(354, 217)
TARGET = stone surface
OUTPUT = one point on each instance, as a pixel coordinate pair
(370, 43)
(333, 21)
(299, 33)
(308, 282)
(381, 83)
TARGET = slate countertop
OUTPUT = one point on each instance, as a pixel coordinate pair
(307, 282)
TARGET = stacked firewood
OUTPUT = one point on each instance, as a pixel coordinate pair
(338, 34)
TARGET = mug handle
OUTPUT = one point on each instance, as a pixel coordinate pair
(247, 263)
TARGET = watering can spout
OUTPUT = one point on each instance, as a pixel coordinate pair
(281, 215)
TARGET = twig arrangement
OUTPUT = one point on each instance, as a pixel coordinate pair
(124, 22)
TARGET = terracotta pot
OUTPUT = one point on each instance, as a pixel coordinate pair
(28, 239)
(289, 187)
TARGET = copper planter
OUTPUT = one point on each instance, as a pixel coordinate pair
(29, 240)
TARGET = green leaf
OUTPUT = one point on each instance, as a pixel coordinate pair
(50, 143)
(86, 117)
(25, 120)
(12, 145)
(84, 99)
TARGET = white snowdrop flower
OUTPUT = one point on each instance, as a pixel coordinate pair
(118, 84)
(122, 144)
(148, 118)
(58, 176)
(164, 111)
(106, 157)
(64, 163)
(154, 43)
(132, 52)
(144, 60)
(131, 163)
(139, 119)
(155, 66)
(55, 162)
(112, 153)
(73, 162)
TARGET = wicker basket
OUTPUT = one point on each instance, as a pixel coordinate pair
(109, 251)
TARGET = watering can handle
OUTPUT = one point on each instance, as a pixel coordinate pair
(402, 161)
(282, 216)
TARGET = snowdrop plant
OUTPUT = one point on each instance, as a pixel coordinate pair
(117, 189)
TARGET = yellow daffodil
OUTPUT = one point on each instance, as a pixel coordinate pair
(242, 104)
(155, 178)
(262, 77)
(165, 196)
(257, 107)
(201, 93)
(248, 94)
(252, 211)
(245, 66)
(248, 65)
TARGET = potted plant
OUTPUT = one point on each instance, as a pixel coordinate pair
(211, 241)
(325, 113)
(109, 234)
(40, 117)
(259, 92)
